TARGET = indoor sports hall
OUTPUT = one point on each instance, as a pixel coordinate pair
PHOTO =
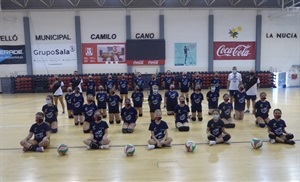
(48, 42)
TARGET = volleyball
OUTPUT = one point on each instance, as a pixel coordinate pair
(129, 149)
(256, 143)
(62, 149)
(190, 146)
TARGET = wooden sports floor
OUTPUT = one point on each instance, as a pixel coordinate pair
(222, 162)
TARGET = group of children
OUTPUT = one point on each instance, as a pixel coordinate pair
(90, 115)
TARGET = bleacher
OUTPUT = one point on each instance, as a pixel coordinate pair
(41, 83)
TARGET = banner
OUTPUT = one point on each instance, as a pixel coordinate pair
(145, 62)
(185, 54)
(14, 54)
(108, 53)
(234, 50)
(54, 56)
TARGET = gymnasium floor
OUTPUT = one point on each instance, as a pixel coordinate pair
(234, 162)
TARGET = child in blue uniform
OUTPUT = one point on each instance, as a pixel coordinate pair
(213, 99)
(216, 131)
(197, 81)
(159, 132)
(138, 98)
(261, 110)
(184, 86)
(50, 112)
(226, 108)
(196, 107)
(139, 81)
(41, 133)
(153, 82)
(88, 110)
(216, 82)
(171, 100)
(90, 86)
(110, 84)
(68, 98)
(154, 101)
(123, 88)
(168, 80)
(101, 98)
(129, 117)
(240, 103)
(113, 102)
(276, 130)
(98, 134)
(77, 102)
(181, 113)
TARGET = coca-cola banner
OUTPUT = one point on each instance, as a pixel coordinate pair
(111, 53)
(234, 50)
(145, 62)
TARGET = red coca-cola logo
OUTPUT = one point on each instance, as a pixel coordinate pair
(234, 50)
(138, 62)
(240, 50)
(145, 62)
(153, 62)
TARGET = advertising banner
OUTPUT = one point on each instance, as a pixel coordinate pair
(145, 62)
(234, 50)
(54, 56)
(185, 54)
(14, 54)
(107, 53)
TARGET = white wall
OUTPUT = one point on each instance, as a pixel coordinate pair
(187, 26)
(181, 26)
(279, 54)
(11, 23)
(228, 19)
(144, 21)
(103, 22)
(53, 23)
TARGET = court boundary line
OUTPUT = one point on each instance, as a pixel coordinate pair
(139, 145)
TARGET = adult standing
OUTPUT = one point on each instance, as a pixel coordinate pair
(252, 84)
(234, 80)
(57, 92)
(76, 81)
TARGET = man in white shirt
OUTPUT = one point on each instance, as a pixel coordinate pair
(252, 83)
(234, 80)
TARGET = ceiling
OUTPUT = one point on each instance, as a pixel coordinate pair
(291, 5)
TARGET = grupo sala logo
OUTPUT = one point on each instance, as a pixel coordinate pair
(235, 31)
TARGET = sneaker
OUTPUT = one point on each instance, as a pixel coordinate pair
(104, 147)
(150, 147)
(63, 112)
(25, 149)
(200, 119)
(291, 142)
(272, 141)
(212, 142)
(88, 147)
(247, 111)
(40, 149)
(227, 142)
